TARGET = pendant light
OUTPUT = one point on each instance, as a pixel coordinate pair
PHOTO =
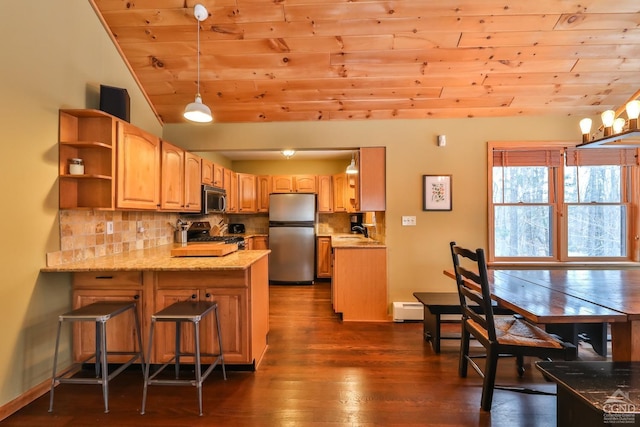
(352, 168)
(197, 111)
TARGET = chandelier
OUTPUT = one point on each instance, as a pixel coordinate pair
(617, 131)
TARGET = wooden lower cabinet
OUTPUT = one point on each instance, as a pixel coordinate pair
(260, 242)
(243, 307)
(121, 330)
(231, 306)
(323, 254)
(248, 243)
(359, 284)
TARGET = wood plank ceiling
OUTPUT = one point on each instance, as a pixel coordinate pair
(296, 60)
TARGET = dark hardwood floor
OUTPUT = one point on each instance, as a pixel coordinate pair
(316, 372)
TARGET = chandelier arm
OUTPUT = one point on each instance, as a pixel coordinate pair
(621, 108)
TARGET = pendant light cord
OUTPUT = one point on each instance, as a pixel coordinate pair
(198, 54)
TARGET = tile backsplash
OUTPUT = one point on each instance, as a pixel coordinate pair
(83, 233)
(333, 223)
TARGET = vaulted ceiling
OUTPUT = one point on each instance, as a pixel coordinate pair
(295, 60)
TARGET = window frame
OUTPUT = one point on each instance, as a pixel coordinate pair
(559, 225)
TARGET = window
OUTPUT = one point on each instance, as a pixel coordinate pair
(556, 204)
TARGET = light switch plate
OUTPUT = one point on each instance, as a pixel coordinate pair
(408, 221)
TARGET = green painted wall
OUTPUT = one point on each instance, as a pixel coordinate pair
(55, 54)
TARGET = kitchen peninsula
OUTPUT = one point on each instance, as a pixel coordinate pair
(359, 278)
(238, 282)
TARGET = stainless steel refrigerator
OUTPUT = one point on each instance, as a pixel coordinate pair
(292, 232)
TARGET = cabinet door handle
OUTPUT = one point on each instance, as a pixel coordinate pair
(136, 297)
(193, 296)
(208, 295)
(104, 277)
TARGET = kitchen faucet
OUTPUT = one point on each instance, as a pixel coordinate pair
(361, 229)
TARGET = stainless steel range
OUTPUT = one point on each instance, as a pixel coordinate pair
(199, 232)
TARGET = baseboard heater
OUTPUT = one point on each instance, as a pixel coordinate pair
(407, 311)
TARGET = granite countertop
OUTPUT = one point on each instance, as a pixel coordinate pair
(347, 240)
(248, 235)
(160, 259)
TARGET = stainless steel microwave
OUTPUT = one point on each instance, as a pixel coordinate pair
(214, 199)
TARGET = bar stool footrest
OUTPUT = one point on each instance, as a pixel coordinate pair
(217, 362)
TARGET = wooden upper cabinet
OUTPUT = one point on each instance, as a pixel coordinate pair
(353, 192)
(172, 180)
(293, 184)
(138, 171)
(340, 199)
(230, 184)
(180, 179)
(372, 183)
(305, 183)
(218, 175)
(192, 186)
(364, 191)
(207, 171)
(325, 194)
(262, 193)
(282, 183)
(212, 174)
(340, 196)
(246, 193)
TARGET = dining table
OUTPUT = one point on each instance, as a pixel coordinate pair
(556, 296)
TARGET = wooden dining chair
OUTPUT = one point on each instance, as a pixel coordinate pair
(499, 335)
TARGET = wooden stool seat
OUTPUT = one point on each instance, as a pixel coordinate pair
(100, 313)
(184, 311)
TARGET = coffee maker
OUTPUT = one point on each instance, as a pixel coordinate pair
(356, 221)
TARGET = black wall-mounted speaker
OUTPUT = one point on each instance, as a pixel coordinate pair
(115, 101)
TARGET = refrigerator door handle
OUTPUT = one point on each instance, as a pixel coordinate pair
(291, 224)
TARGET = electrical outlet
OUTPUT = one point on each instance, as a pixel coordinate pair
(408, 221)
(109, 227)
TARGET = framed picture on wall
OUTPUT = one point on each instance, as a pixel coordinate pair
(436, 193)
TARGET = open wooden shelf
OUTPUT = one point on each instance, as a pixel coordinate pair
(89, 135)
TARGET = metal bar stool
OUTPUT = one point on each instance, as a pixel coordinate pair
(185, 311)
(100, 313)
